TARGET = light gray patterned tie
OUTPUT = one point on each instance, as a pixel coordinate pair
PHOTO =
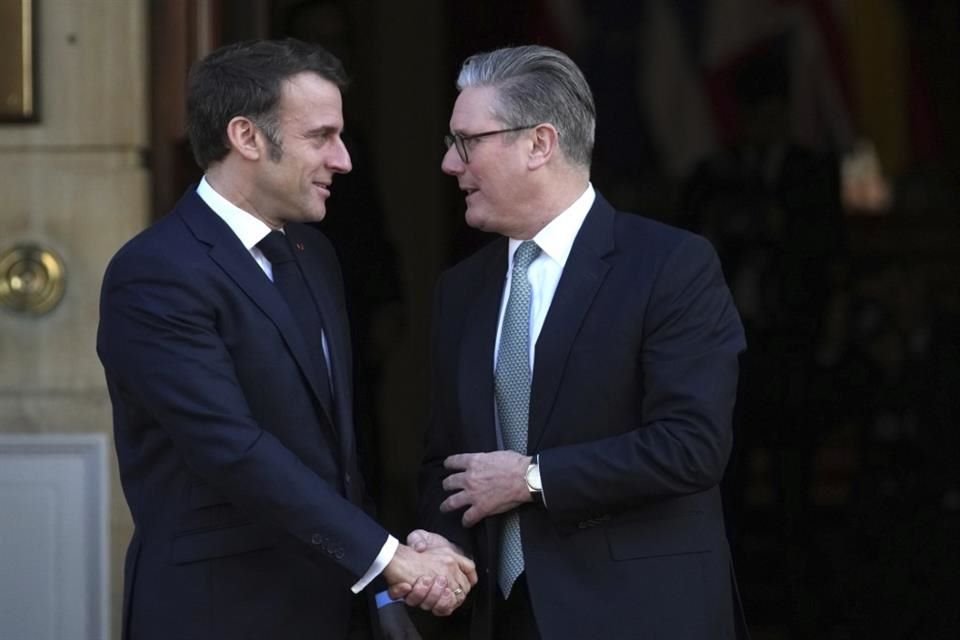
(513, 396)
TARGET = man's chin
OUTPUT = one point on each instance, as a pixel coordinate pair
(315, 216)
(475, 220)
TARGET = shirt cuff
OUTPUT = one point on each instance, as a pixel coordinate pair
(379, 564)
(383, 599)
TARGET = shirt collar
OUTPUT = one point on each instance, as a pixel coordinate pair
(556, 239)
(246, 226)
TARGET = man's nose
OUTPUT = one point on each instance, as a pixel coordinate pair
(452, 165)
(340, 161)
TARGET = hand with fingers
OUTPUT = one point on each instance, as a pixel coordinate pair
(486, 484)
(424, 594)
(436, 579)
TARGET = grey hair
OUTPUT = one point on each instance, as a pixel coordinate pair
(537, 84)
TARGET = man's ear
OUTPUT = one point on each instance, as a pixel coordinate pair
(245, 137)
(546, 139)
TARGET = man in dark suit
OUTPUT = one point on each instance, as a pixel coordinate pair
(225, 344)
(584, 370)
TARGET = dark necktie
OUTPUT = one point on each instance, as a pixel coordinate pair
(289, 279)
(512, 381)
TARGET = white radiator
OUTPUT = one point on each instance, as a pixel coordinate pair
(54, 530)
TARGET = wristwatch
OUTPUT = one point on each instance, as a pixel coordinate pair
(534, 485)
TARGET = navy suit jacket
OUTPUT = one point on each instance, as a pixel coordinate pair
(635, 374)
(243, 486)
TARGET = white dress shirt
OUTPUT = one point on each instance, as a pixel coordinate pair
(555, 241)
(251, 230)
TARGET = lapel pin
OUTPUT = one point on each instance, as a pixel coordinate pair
(299, 246)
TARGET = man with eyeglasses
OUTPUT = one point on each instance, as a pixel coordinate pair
(584, 370)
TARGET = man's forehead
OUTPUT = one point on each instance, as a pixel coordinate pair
(473, 108)
(310, 95)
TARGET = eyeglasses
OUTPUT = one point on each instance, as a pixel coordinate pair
(455, 139)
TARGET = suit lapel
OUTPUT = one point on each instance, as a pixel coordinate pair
(229, 253)
(582, 277)
(476, 354)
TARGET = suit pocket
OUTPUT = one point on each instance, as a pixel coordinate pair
(219, 543)
(205, 509)
(663, 537)
(210, 526)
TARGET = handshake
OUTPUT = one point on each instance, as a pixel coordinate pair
(430, 572)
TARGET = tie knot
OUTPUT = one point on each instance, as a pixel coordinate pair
(276, 248)
(526, 253)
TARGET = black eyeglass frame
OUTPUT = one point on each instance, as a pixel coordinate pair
(460, 141)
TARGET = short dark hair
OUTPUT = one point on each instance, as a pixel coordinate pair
(246, 79)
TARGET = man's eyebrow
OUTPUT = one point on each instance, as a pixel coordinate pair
(320, 132)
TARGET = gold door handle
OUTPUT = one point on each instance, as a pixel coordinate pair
(32, 279)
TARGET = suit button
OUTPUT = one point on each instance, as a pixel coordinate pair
(346, 479)
(317, 539)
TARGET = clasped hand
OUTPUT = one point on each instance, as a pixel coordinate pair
(436, 578)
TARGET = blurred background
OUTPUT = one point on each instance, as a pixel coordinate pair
(815, 142)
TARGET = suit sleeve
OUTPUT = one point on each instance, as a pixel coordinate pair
(682, 438)
(160, 344)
